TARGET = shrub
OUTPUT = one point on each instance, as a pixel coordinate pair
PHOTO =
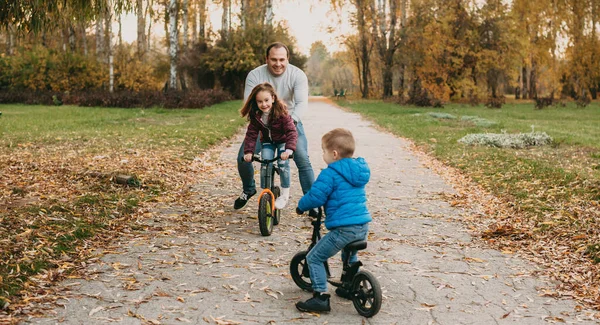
(583, 101)
(504, 140)
(541, 102)
(495, 102)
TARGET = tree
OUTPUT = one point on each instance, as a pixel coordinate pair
(173, 44)
(387, 37)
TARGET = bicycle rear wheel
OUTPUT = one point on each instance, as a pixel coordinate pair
(366, 294)
(265, 214)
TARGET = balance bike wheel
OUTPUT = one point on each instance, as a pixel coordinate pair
(299, 271)
(265, 215)
(366, 294)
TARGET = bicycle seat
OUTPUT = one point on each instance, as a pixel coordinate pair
(356, 245)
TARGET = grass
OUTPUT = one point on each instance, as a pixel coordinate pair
(96, 129)
(56, 190)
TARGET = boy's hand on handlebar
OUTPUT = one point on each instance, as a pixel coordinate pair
(248, 157)
(284, 156)
(298, 211)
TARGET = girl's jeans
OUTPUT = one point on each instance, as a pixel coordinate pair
(333, 242)
(268, 152)
(305, 170)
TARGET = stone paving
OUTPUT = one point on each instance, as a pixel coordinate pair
(204, 263)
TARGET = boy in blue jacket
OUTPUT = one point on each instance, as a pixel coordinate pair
(340, 188)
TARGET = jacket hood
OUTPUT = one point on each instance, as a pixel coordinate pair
(354, 170)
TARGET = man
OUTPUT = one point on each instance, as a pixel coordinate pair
(291, 85)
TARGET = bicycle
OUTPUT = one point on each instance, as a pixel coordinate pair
(268, 214)
(359, 286)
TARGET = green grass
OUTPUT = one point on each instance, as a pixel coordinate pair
(96, 129)
(539, 180)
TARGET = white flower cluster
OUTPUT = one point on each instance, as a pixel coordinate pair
(504, 140)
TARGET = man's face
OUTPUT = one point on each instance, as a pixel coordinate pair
(277, 61)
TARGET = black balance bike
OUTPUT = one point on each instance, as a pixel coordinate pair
(359, 286)
(268, 215)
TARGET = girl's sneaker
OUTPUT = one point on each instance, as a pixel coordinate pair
(281, 202)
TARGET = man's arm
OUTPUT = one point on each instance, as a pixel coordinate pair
(300, 96)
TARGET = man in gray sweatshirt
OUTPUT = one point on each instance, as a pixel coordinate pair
(291, 85)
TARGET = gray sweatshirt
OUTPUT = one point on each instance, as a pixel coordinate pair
(291, 87)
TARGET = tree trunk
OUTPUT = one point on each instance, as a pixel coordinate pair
(194, 21)
(226, 19)
(84, 38)
(533, 80)
(149, 33)
(141, 29)
(202, 19)
(363, 46)
(243, 14)
(185, 24)
(100, 37)
(173, 44)
(109, 47)
(120, 34)
(72, 44)
(269, 13)
(524, 82)
(10, 42)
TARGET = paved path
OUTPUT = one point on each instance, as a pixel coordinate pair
(203, 263)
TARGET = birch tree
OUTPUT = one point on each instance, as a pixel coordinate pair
(173, 44)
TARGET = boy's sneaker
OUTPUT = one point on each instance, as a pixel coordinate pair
(341, 292)
(241, 201)
(318, 303)
(281, 202)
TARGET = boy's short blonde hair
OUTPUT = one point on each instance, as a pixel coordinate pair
(340, 140)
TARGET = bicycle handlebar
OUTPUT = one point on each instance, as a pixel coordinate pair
(257, 158)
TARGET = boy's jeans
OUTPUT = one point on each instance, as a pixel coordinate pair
(305, 170)
(268, 152)
(333, 242)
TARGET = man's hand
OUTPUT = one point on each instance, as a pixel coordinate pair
(248, 157)
(284, 155)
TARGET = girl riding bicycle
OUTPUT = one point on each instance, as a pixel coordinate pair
(270, 120)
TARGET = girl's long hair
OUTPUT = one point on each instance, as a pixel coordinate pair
(279, 108)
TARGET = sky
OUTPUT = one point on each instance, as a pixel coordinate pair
(308, 21)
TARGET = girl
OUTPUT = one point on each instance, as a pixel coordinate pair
(269, 118)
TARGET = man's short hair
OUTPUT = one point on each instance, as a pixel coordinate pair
(278, 45)
(340, 140)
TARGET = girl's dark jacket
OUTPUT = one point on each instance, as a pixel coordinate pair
(280, 130)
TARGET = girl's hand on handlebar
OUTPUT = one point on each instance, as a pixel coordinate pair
(298, 211)
(248, 157)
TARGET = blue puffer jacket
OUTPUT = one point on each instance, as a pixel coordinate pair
(341, 189)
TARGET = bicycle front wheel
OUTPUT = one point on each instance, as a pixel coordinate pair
(265, 214)
(366, 294)
(299, 271)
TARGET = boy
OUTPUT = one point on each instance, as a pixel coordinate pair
(340, 188)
